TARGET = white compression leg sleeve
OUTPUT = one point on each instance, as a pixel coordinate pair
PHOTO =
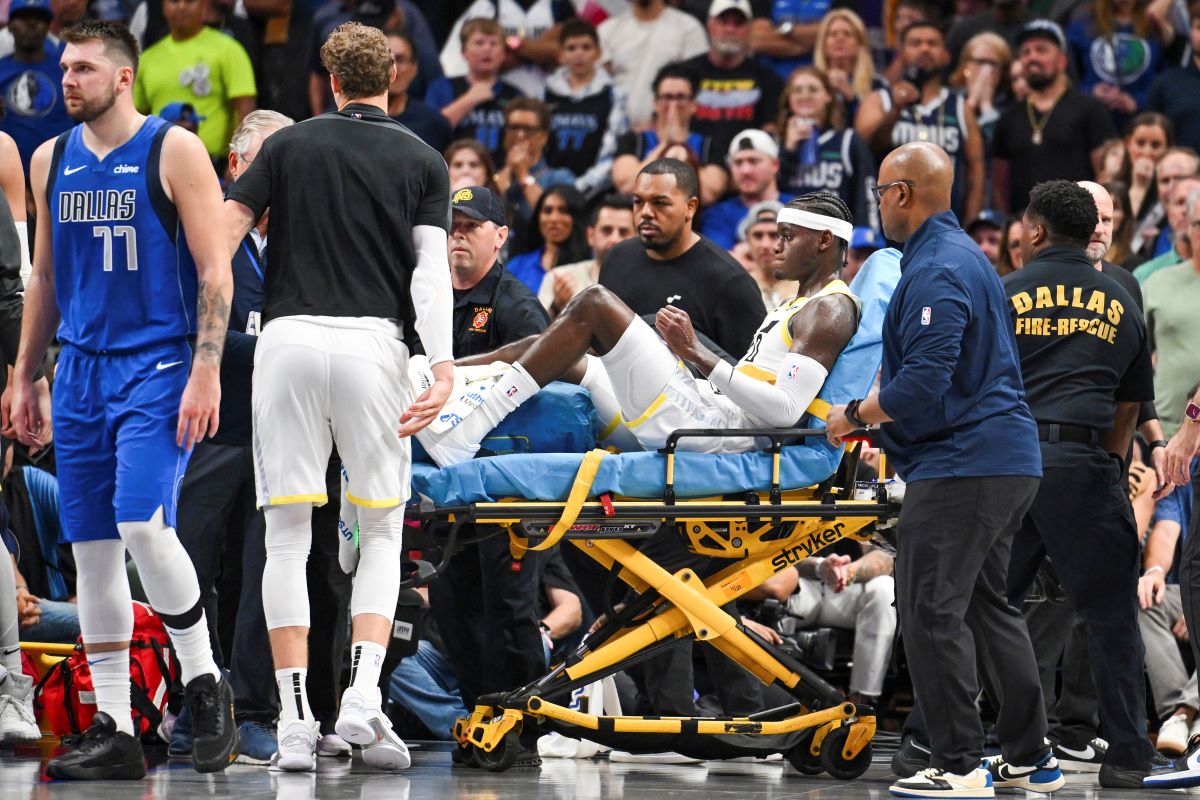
(377, 581)
(284, 581)
(174, 592)
(10, 637)
(106, 616)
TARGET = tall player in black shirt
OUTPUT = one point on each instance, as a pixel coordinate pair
(1085, 360)
(359, 211)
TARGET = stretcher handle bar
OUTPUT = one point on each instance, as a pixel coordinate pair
(778, 436)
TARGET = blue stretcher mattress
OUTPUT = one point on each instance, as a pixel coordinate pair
(549, 476)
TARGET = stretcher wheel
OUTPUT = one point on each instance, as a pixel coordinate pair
(801, 756)
(502, 756)
(835, 763)
(464, 755)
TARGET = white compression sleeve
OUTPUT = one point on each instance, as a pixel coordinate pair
(284, 579)
(432, 298)
(780, 405)
(26, 264)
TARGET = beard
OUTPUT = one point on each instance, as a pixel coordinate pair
(1095, 251)
(728, 47)
(1039, 81)
(89, 110)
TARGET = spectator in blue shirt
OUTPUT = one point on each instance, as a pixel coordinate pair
(421, 118)
(959, 432)
(31, 80)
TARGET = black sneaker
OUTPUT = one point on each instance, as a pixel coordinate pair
(100, 753)
(911, 758)
(1132, 777)
(1087, 758)
(214, 732)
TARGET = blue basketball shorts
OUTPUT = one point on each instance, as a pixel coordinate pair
(115, 419)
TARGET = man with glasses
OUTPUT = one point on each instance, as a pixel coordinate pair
(958, 430)
(526, 174)
(422, 119)
(675, 89)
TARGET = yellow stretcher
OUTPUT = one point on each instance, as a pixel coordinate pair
(760, 534)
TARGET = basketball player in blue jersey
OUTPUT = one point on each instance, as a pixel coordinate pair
(113, 270)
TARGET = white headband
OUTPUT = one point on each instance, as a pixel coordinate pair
(816, 222)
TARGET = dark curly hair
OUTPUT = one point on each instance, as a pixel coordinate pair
(830, 205)
(1066, 209)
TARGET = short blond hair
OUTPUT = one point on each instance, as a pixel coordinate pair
(360, 58)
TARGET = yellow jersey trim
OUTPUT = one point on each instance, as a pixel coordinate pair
(287, 499)
(358, 501)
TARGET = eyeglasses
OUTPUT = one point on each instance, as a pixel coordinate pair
(526, 129)
(675, 98)
(878, 191)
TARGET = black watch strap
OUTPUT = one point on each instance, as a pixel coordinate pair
(852, 413)
(1157, 443)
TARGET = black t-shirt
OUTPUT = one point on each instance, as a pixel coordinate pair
(345, 192)
(732, 100)
(1077, 125)
(640, 143)
(494, 312)
(1129, 283)
(1081, 340)
(717, 293)
(427, 123)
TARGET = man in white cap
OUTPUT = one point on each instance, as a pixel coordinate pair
(737, 90)
(753, 162)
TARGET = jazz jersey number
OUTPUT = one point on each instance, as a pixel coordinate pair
(126, 232)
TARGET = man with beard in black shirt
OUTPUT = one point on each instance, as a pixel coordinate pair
(671, 264)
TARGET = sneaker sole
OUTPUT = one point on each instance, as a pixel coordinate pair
(1078, 768)
(242, 758)
(19, 737)
(295, 764)
(355, 729)
(978, 794)
(221, 760)
(1044, 787)
(386, 756)
(120, 772)
(1181, 782)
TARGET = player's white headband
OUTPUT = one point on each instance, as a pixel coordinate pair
(816, 222)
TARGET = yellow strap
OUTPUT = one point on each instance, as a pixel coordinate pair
(819, 408)
(580, 491)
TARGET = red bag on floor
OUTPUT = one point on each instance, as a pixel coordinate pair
(65, 700)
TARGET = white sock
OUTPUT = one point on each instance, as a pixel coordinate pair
(193, 648)
(293, 695)
(366, 659)
(513, 388)
(110, 679)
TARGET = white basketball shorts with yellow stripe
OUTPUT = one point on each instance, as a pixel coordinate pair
(320, 380)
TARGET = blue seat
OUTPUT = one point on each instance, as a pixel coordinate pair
(549, 476)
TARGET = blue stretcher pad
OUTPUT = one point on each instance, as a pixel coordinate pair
(549, 476)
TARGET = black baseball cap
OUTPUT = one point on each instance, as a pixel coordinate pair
(986, 217)
(1044, 29)
(478, 202)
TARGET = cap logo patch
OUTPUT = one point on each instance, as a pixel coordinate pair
(463, 195)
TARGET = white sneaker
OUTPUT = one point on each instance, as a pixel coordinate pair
(624, 757)
(330, 745)
(297, 746)
(361, 721)
(1173, 735)
(18, 725)
(935, 782)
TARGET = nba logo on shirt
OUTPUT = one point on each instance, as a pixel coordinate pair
(511, 391)
(926, 315)
(792, 371)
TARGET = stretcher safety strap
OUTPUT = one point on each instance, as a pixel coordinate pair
(580, 491)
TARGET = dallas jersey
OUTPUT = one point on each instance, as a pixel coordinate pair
(124, 277)
(942, 121)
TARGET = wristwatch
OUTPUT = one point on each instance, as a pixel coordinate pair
(787, 27)
(1192, 412)
(528, 180)
(852, 414)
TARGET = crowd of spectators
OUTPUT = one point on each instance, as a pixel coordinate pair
(548, 111)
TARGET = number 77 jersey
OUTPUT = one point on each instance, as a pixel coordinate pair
(124, 278)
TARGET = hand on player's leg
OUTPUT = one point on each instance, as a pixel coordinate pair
(426, 407)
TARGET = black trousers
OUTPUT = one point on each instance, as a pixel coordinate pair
(1189, 573)
(666, 681)
(1059, 636)
(485, 607)
(1082, 520)
(224, 535)
(951, 576)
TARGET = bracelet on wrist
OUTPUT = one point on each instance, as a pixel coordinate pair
(1155, 568)
(1158, 443)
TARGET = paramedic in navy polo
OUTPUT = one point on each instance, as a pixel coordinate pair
(958, 430)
